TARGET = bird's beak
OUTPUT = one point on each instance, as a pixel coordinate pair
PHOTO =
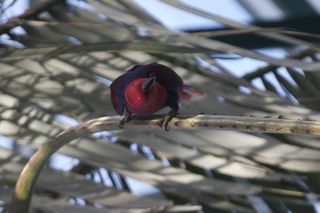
(148, 84)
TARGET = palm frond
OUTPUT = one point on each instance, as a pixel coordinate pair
(69, 59)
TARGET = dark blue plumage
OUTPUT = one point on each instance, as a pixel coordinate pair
(128, 94)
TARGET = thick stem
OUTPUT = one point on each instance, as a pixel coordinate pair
(28, 177)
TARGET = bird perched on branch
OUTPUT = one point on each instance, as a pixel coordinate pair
(146, 89)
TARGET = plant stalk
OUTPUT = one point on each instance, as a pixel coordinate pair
(28, 177)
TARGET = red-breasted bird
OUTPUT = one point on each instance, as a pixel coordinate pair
(146, 89)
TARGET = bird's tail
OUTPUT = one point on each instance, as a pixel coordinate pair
(186, 92)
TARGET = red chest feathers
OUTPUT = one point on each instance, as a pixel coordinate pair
(144, 102)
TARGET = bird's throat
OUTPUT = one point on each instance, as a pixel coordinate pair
(145, 102)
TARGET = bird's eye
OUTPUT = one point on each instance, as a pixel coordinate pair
(132, 85)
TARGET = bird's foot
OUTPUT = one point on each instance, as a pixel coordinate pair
(124, 118)
(164, 122)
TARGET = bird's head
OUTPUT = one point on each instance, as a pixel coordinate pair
(145, 95)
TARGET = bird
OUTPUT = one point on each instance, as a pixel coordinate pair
(147, 88)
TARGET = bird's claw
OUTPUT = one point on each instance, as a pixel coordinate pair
(120, 124)
(124, 118)
(164, 123)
